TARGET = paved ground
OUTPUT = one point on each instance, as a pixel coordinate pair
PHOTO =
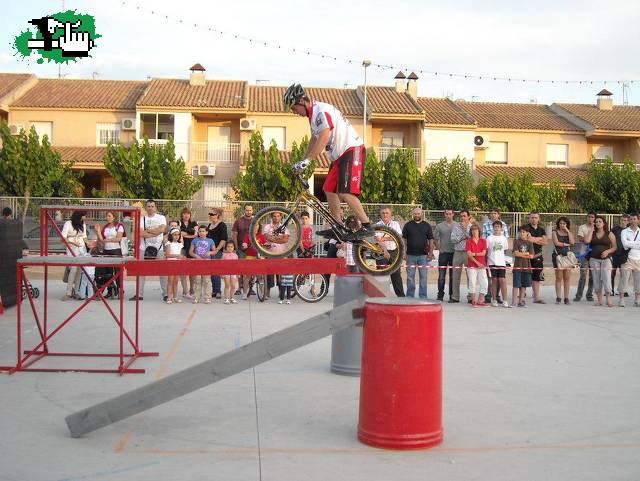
(545, 393)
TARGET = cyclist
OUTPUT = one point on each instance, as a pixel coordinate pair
(332, 132)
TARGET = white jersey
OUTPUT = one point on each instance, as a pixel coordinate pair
(343, 136)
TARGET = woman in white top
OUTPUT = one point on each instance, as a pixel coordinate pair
(173, 250)
(74, 232)
(111, 236)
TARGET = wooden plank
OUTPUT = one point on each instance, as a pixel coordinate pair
(213, 370)
(201, 267)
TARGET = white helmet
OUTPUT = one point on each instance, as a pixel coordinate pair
(293, 95)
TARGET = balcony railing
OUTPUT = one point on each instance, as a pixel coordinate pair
(383, 152)
(617, 164)
(214, 152)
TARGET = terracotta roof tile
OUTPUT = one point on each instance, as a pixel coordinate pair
(222, 94)
(269, 99)
(84, 94)
(85, 157)
(11, 81)
(622, 117)
(322, 161)
(541, 175)
(385, 100)
(492, 115)
(444, 111)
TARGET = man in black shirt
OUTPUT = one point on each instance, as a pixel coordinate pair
(418, 239)
(539, 238)
(620, 256)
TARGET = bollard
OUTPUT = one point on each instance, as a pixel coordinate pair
(346, 345)
(401, 378)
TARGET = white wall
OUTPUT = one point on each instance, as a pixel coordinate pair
(182, 134)
(440, 143)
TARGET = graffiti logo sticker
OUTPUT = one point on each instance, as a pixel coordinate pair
(59, 37)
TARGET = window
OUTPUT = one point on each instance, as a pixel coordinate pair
(278, 134)
(44, 128)
(497, 153)
(157, 126)
(557, 155)
(392, 138)
(106, 133)
(601, 152)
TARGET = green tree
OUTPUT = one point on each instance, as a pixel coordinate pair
(147, 170)
(268, 178)
(372, 188)
(29, 167)
(446, 184)
(508, 193)
(609, 188)
(552, 197)
(401, 177)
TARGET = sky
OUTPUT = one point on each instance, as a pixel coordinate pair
(553, 40)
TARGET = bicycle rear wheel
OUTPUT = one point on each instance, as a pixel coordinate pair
(275, 232)
(311, 287)
(380, 254)
(261, 287)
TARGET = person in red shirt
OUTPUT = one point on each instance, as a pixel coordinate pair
(477, 267)
(305, 249)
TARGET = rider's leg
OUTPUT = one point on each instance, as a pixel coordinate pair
(333, 200)
(354, 203)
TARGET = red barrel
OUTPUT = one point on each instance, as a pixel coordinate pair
(401, 374)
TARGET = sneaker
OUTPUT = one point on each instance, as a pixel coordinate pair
(505, 304)
(134, 298)
(66, 297)
(494, 303)
(168, 301)
(178, 300)
(440, 298)
(360, 234)
(558, 300)
(164, 298)
(522, 304)
(187, 296)
(218, 295)
(194, 301)
(280, 302)
(482, 304)
(227, 301)
(233, 301)
(589, 298)
(208, 301)
(288, 301)
(244, 297)
(567, 301)
(577, 299)
(539, 301)
(237, 293)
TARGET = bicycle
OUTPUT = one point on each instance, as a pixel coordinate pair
(380, 254)
(310, 287)
(260, 283)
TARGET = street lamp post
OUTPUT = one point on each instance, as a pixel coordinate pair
(365, 64)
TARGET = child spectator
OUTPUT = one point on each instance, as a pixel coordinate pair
(305, 249)
(522, 253)
(230, 281)
(250, 253)
(496, 246)
(173, 250)
(286, 288)
(202, 248)
(477, 266)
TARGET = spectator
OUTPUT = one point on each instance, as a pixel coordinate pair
(230, 280)
(238, 231)
(111, 236)
(497, 244)
(523, 252)
(188, 229)
(487, 230)
(277, 242)
(538, 238)
(562, 240)
(7, 213)
(152, 228)
(459, 236)
(74, 231)
(583, 230)
(218, 233)
(202, 248)
(477, 266)
(173, 249)
(631, 242)
(603, 245)
(386, 219)
(418, 239)
(250, 253)
(620, 256)
(442, 237)
(285, 288)
(305, 249)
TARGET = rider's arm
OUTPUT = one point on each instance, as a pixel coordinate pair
(317, 144)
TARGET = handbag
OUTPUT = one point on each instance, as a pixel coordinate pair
(568, 261)
(150, 252)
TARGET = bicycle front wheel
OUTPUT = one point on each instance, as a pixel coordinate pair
(275, 232)
(311, 287)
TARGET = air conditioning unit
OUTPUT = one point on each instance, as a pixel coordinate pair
(129, 124)
(16, 128)
(481, 141)
(247, 124)
(205, 170)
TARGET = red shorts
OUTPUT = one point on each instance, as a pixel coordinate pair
(345, 173)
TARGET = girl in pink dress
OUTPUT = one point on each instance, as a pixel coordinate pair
(230, 281)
